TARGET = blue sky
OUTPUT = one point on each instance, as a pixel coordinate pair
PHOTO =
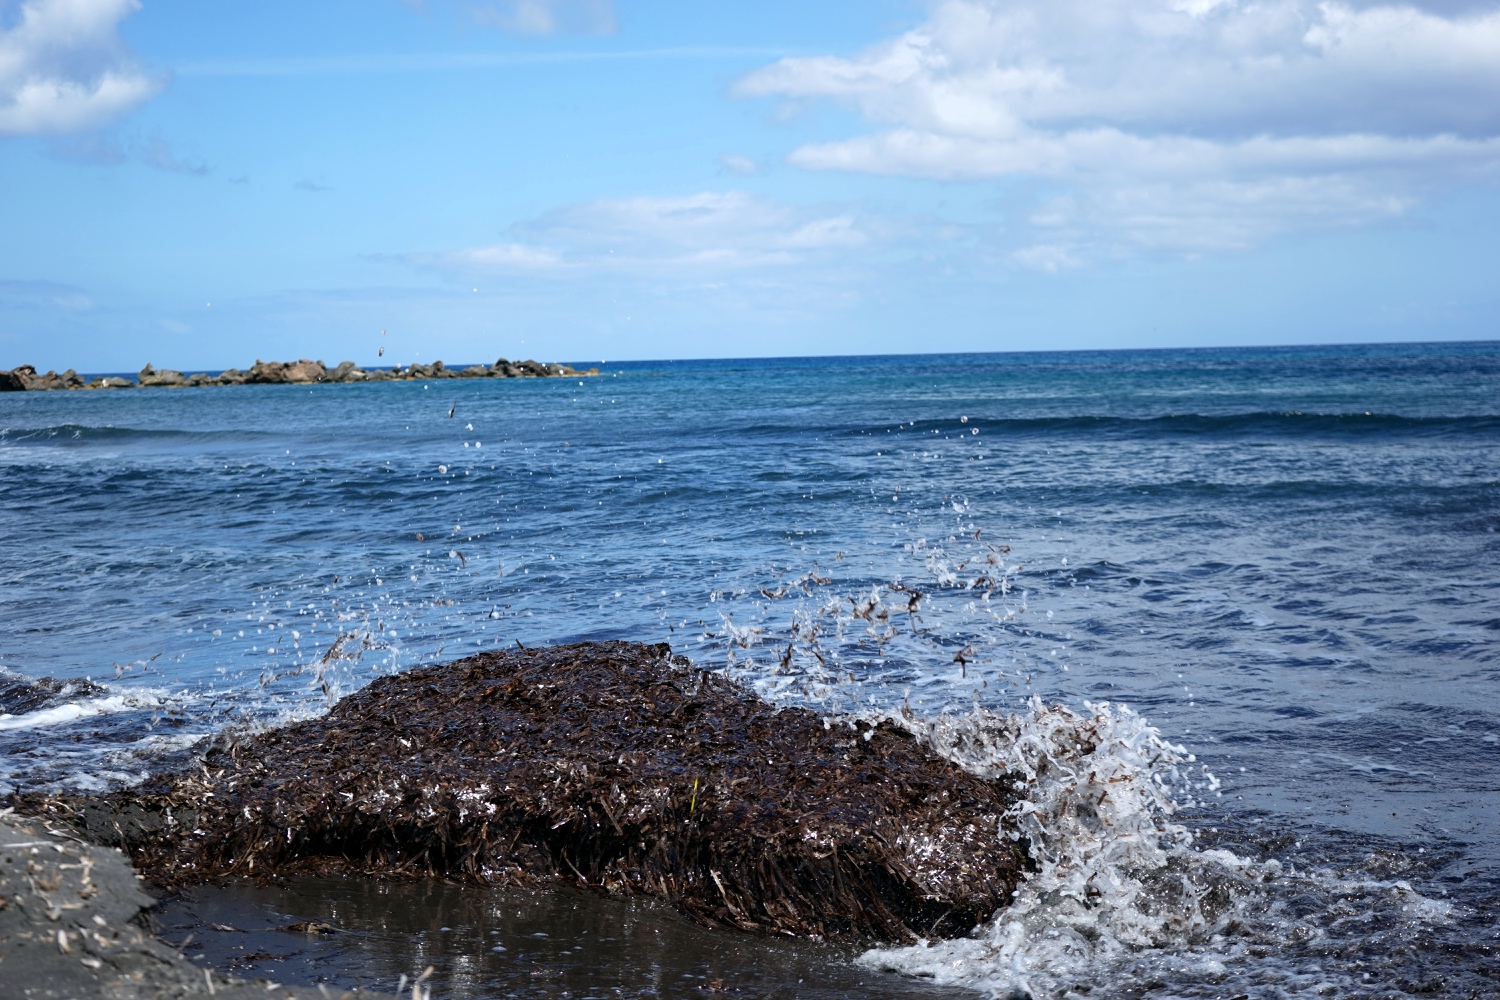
(198, 185)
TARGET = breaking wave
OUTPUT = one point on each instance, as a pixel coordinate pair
(71, 711)
(1121, 895)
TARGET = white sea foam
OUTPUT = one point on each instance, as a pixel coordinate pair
(57, 715)
(1096, 817)
(1120, 894)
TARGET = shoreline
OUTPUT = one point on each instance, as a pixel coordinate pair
(75, 922)
(25, 378)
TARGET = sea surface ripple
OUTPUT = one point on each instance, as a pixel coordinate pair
(1286, 560)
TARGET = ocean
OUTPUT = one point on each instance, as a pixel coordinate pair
(1234, 612)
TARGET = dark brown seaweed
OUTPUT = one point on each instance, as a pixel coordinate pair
(610, 765)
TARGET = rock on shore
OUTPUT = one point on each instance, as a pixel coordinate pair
(24, 378)
(73, 924)
(614, 766)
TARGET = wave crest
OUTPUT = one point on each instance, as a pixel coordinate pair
(1113, 870)
(1120, 896)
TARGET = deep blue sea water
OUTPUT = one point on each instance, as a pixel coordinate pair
(1287, 560)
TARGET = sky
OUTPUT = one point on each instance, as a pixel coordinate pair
(199, 185)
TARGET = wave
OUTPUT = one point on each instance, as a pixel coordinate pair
(47, 701)
(70, 712)
(1120, 895)
(1290, 423)
(86, 434)
(20, 694)
(87, 736)
(1255, 424)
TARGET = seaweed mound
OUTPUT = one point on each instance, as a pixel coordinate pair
(610, 765)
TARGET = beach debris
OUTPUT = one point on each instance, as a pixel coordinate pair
(311, 928)
(614, 766)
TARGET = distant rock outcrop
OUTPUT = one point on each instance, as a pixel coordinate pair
(164, 377)
(24, 378)
(297, 372)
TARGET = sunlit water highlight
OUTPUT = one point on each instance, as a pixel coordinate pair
(1284, 562)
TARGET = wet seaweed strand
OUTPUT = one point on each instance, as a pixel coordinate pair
(609, 765)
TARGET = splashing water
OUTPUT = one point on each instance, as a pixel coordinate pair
(1097, 821)
(1119, 893)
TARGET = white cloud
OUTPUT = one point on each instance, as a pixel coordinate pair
(1049, 257)
(699, 234)
(834, 231)
(1248, 117)
(1111, 151)
(737, 164)
(698, 263)
(547, 17)
(64, 69)
(500, 256)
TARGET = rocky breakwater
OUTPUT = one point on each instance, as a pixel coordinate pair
(613, 766)
(24, 378)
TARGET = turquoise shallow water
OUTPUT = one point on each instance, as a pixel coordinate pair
(1284, 559)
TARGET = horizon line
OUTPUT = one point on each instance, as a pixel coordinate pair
(193, 369)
